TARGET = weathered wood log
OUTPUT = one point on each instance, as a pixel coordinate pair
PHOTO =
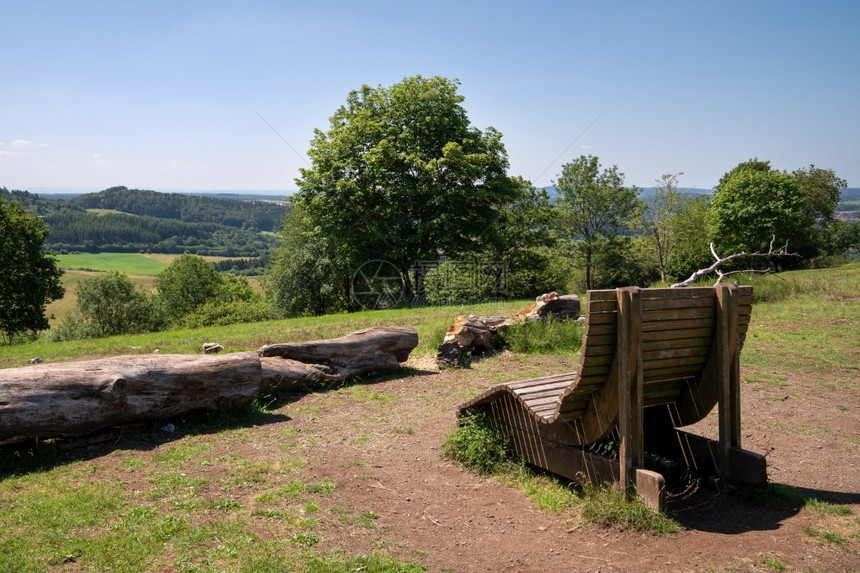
(377, 349)
(73, 398)
(470, 334)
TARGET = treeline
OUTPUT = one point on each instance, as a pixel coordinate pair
(261, 216)
(406, 201)
(117, 233)
(238, 232)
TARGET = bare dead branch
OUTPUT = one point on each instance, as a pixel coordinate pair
(720, 261)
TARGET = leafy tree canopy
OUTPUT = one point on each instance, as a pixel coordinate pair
(305, 276)
(754, 164)
(111, 304)
(402, 175)
(753, 206)
(821, 191)
(594, 203)
(29, 278)
(186, 284)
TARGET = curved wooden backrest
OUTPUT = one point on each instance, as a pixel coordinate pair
(676, 331)
(677, 338)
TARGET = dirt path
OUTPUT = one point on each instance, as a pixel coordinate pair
(381, 444)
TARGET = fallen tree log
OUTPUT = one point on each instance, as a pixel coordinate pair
(74, 398)
(474, 335)
(372, 350)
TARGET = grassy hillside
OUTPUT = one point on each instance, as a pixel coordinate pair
(430, 322)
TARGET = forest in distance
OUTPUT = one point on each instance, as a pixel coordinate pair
(126, 220)
(238, 224)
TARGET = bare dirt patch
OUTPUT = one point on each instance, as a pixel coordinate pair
(380, 444)
(373, 451)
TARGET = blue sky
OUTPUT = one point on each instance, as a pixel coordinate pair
(164, 95)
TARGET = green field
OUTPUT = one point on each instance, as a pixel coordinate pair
(126, 263)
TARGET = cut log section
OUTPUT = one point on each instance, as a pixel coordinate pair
(74, 398)
(473, 335)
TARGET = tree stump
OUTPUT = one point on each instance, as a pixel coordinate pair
(470, 334)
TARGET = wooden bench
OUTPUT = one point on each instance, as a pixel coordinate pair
(653, 360)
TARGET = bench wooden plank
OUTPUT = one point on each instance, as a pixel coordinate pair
(541, 387)
(689, 292)
(677, 334)
(600, 329)
(678, 324)
(594, 350)
(536, 397)
(673, 303)
(601, 318)
(685, 342)
(669, 353)
(606, 294)
(544, 379)
(600, 306)
(538, 402)
(678, 314)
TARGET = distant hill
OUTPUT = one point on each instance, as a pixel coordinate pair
(186, 208)
(850, 194)
(132, 220)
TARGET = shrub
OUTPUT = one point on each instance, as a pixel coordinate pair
(220, 313)
(456, 282)
(109, 305)
(477, 444)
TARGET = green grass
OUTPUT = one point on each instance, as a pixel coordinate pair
(479, 445)
(126, 263)
(180, 508)
(548, 336)
(819, 318)
(431, 323)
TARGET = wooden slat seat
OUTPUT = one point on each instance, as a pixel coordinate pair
(666, 354)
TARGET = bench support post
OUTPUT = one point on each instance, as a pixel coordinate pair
(729, 401)
(630, 387)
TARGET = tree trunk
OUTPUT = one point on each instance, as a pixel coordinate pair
(72, 398)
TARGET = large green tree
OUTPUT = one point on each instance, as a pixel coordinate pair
(29, 277)
(522, 238)
(402, 175)
(115, 305)
(752, 206)
(821, 192)
(594, 204)
(690, 229)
